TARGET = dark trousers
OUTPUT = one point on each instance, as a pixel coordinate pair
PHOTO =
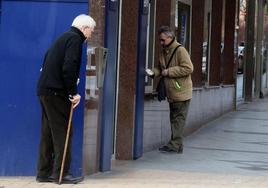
(55, 116)
(178, 115)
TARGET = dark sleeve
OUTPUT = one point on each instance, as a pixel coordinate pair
(45, 57)
(72, 60)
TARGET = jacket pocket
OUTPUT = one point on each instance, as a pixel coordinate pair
(175, 84)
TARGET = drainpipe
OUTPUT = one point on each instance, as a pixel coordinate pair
(237, 12)
(249, 49)
(259, 52)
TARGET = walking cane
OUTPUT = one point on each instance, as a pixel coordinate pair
(66, 144)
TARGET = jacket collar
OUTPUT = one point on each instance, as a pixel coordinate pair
(171, 46)
(76, 30)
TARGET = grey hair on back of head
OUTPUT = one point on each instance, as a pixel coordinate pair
(167, 31)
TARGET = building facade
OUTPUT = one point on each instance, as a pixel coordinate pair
(120, 117)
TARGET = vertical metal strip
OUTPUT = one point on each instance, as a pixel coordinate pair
(109, 88)
(140, 79)
(117, 70)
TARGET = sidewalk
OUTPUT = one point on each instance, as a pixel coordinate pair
(230, 152)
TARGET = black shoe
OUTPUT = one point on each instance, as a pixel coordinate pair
(44, 179)
(165, 149)
(69, 179)
(180, 150)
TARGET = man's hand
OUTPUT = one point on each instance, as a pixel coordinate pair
(164, 72)
(75, 99)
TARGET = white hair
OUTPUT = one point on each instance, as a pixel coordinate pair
(83, 20)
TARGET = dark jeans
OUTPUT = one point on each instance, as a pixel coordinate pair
(178, 115)
(55, 116)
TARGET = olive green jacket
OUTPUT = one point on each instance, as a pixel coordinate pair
(179, 70)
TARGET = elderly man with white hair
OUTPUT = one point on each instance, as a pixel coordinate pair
(57, 91)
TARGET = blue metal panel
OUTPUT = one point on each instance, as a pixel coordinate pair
(109, 88)
(27, 30)
(140, 81)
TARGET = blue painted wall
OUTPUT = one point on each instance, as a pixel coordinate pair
(27, 29)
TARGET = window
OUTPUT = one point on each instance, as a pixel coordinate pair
(182, 24)
(150, 45)
(206, 42)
